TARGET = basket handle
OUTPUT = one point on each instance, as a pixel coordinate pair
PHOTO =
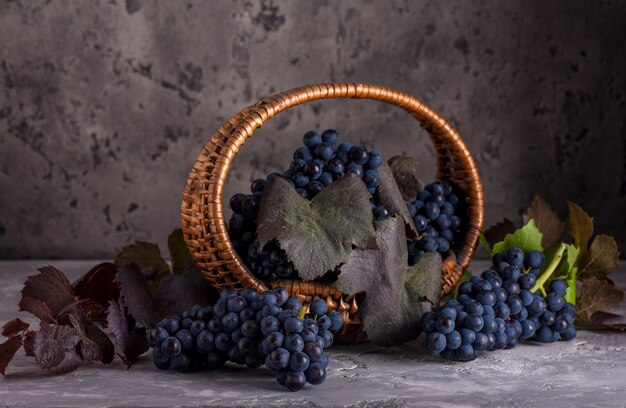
(203, 221)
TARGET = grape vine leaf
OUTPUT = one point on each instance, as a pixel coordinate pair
(405, 173)
(396, 296)
(47, 294)
(528, 238)
(28, 341)
(177, 293)
(98, 284)
(546, 219)
(601, 259)
(147, 256)
(467, 275)
(597, 295)
(7, 352)
(390, 196)
(93, 344)
(55, 348)
(317, 235)
(14, 327)
(567, 269)
(179, 252)
(484, 244)
(580, 226)
(130, 341)
(601, 320)
(497, 232)
(136, 295)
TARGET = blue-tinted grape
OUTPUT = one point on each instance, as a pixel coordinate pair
(315, 374)
(318, 307)
(558, 286)
(293, 343)
(299, 361)
(311, 139)
(554, 302)
(185, 338)
(171, 347)
(515, 257)
(434, 343)
(303, 153)
(354, 169)
(534, 259)
(453, 340)
(156, 336)
(313, 351)
(269, 325)
(336, 320)
(445, 324)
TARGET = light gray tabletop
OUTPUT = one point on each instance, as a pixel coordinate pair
(589, 371)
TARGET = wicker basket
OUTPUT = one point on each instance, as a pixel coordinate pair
(203, 220)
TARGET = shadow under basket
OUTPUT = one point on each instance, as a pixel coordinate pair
(205, 228)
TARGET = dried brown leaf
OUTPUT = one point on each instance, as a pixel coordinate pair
(546, 219)
(498, 231)
(601, 259)
(597, 295)
(580, 227)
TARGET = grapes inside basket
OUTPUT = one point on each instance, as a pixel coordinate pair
(430, 212)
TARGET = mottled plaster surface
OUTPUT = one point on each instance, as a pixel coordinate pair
(105, 104)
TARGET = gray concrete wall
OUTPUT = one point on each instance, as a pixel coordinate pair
(105, 104)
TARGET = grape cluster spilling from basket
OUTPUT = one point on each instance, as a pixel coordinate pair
(253, 329)
(315, 166)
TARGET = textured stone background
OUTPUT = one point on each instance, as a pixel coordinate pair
(104, 105)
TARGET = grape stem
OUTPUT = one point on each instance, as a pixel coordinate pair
(302, 313)
(549, 270)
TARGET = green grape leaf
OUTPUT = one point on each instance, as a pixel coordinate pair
(580, 226)
(597, 295)
(148, 257)
(546, 219)
(467, 275)
(395, 295)
(484, 244)
(528, 238)
(319, 234)
(404, 171)
(601, 259)
(179, 252)
(567, 269)
(390, 196)
(498, 231)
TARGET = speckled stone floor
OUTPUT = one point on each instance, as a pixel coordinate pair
(587, 372)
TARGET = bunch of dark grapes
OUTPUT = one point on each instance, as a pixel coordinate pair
(498, 309)
(294, 347)
(433, 213)
(253, 329)
(316, 165)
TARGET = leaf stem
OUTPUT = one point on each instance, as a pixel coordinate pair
(558, 255)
